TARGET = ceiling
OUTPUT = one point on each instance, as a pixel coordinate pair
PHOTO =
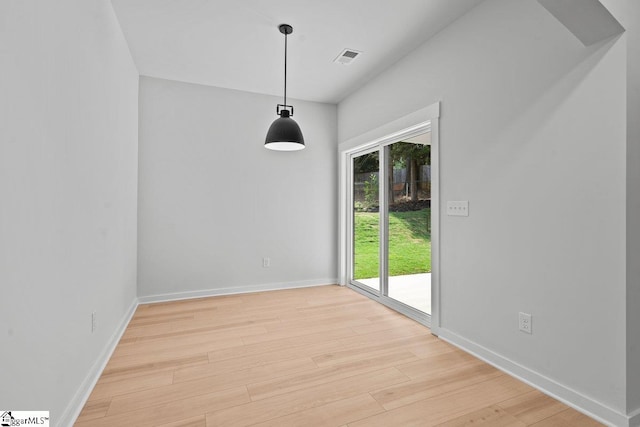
(236, 44)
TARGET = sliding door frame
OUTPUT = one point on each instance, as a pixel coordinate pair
(377, 140)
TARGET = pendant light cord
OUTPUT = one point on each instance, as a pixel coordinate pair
(285, 69)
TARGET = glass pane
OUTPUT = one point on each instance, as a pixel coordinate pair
(366, 220)
(409, 195)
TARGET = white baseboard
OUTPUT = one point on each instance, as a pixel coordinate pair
(73, 409)
(235, 290)
(576, 400)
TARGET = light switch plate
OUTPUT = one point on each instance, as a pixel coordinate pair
(458, 208)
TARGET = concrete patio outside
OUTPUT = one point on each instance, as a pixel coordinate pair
(411, 289)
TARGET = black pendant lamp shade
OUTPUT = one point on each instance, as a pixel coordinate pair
(284, 133)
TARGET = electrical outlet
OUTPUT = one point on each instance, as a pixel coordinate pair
(94, 322)
(266, 262)
(525, 322)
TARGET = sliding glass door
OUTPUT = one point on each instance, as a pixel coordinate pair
(391, 223)
(408, 219)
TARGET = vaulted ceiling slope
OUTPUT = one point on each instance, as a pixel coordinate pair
(236, 43)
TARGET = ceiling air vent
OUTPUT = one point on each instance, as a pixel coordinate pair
(347, 56)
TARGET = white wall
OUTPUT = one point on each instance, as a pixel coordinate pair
(532, 133)
(213, 201)
(68, 155)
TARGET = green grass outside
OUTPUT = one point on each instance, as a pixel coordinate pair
(409, 243)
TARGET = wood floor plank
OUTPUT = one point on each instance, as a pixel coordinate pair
(278, 332)
(165, 394)
(108, 389)
(322, 375)
(262, 356)
(118, 361)
(191, 338)
(157, 319)
(308, 308)
(204, 385)
(270, 353)
(333, 300)
(413, 330)
(144, 368)
(397, 323)
(568, 418)
(279, 344)
(247, 375)
(438, 347)
(199, 421)
(228, 315)
(428, 365)
(356, 353)
(172, 412)
(328, 321)
(146, 330)
(198, 326)
(443, 407)
(532, 407)
(125, 340)
(438, 383)
(339, 338)
(491, 416)
(284, 404)
(186, 306)
(360, 307)
(213, 319)
(330, 415)
(254, 359)
(94, 409)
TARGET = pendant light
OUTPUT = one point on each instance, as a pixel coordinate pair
(284, 133)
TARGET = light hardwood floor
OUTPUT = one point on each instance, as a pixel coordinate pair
(323, 356)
